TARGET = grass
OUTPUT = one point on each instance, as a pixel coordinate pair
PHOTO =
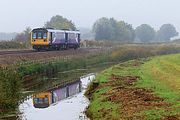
(97, 106)
(162, 75)
(159, 75)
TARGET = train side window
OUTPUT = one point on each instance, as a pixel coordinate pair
(72, 36)
(53, 35)
(60, 35)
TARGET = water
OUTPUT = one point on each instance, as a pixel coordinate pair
(71, 108)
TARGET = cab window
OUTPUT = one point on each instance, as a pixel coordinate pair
(35, 100)
(39, 35)
(34, 36)
(40, 100)
(46, 100)
(44, 35)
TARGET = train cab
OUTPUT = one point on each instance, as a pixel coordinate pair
(42, 100)
(39, 37)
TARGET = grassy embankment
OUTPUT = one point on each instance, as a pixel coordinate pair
(137, 89)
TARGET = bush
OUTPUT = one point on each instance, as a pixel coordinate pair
(12, 45)
(10, 87)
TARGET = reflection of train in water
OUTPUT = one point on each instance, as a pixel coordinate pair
(47, 39)
(45, 99)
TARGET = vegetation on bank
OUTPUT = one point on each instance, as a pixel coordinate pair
(15, 79)
(10, 87)
(137, 89)
(23, 72)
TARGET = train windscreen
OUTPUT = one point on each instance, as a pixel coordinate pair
(41, 102)
(39, 34)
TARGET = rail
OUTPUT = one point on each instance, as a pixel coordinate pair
(15, 52)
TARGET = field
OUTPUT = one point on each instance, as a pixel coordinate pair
(138, 89)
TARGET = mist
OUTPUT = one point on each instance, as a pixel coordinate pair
(16, 15)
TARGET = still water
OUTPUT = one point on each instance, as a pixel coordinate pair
(70, 108)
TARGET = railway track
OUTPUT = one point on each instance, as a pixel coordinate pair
(13, 57)
(15, 52)
(33, 51)
(27, 52)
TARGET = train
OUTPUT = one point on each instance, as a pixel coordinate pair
(52, 39)
(54, 95)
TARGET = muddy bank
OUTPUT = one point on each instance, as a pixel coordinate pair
(114, 95)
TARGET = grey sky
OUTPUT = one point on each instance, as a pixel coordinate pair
(17, 14)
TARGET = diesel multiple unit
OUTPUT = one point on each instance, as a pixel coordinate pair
(47, 39)
(45, 99)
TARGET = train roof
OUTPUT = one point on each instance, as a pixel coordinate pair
(54, 30)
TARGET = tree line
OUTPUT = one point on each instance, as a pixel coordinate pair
(110, 29)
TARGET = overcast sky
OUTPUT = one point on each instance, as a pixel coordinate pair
(15, 15)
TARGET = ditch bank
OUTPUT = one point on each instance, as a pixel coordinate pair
(125, 92)
(16, 79)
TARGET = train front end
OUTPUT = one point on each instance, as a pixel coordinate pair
(42, 100)
(39, 38)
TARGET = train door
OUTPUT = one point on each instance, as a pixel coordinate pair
(79, 39)
(50, 37)
(66, 38)
(66, 41)
(67, 91)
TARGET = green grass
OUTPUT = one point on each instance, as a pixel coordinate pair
(99, 101)
(160, 74)
(107, 108)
